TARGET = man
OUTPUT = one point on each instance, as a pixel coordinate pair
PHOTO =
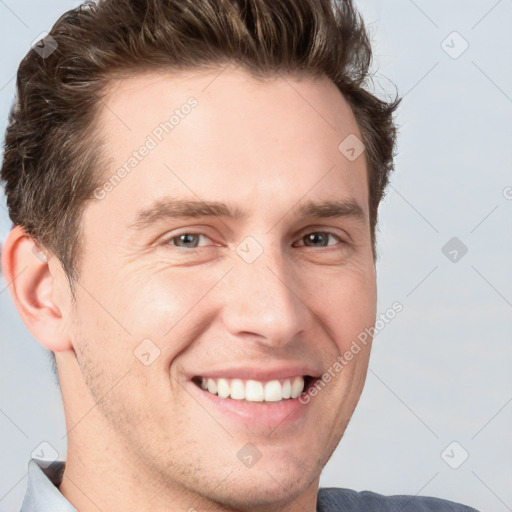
(208, 176)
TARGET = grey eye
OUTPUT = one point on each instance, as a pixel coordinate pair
(188, 240)
(317, 239)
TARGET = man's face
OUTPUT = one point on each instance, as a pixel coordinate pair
(270, 295)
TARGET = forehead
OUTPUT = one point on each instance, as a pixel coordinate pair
(224, 135)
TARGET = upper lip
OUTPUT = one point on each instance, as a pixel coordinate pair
(263, 372)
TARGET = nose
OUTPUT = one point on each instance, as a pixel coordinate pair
(263, 301)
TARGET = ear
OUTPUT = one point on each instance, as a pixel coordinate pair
(38, 292)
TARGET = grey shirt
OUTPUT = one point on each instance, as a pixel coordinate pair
(42, 495)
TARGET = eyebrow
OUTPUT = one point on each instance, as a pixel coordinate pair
(172, 208)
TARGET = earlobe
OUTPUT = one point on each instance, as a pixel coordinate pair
(33, 290)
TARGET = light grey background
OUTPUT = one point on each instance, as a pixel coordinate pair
(440, 371)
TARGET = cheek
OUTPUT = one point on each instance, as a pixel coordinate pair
(157, 302)
(346, 302)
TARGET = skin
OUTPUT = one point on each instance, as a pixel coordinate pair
(137, 439)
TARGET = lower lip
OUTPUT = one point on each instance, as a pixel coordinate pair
(256, 414)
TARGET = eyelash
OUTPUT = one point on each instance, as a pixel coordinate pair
(168, 240)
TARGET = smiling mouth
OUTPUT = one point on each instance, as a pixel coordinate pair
(255, 390)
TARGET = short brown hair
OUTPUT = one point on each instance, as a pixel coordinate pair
(51, 167)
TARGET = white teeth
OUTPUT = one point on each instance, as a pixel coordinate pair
(273, 391)
(297, 387)
(287, 389)
(253, 390)
(237, 389)
(223, 388)
(212, 386)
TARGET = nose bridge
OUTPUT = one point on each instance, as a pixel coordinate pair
(260, 297)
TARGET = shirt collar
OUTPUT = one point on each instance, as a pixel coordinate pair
(42, 494)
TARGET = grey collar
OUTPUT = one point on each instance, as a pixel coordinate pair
(42, 493)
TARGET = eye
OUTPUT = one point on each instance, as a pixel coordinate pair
(191, 240)
(319, 239)
(185, 240)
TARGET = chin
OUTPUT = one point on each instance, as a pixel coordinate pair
(267, 489)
